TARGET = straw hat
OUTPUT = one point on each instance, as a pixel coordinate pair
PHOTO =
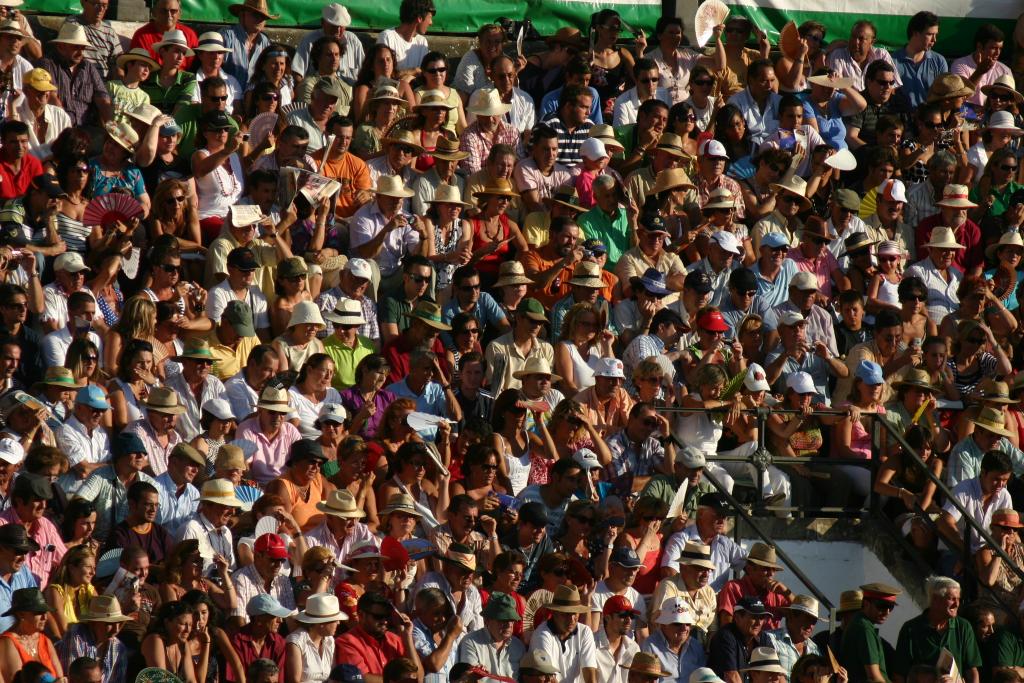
(145, 113)
(211, 41)
(606, 134)
(647, 664)
(73, 34)
(955, 197)
(1004, 83)
(341, 503)
(915, 378)
(1006, 517)
(274, 399)
(943, 238)
(448, 194)
(1007, 239)
(671, 179)
(401, 502)
(60, 376)
(992, 420)
(347, 312)
(720, 198)
(834, 82)
(257, 6)
(587, 274)
(795, 186)
(165, 400)
(173, 38)
(306, 312)
(696, 554)
(567, 36)
(565, 195)
(220, 491)
(429, 313)
(535, 365)
(404, 137)
(850, 601)
(512, 273)
(567, 599)
(765, 659)
(948, 86)
(459, 555)
(195, 349)
(393, 186)
(993, 391)
(229, 457)
(138, 54)
(487, 102)
(498, 187)
(763, 555)
(433, 99)
(805, 604)
(448, 149)
(122, 134)
(321, 608)
(673, 144)
(387, 93)
(103, 608)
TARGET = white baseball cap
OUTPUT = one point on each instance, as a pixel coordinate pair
(893, 190)
(727, 241)
(675, 611)
(593, 149)
(609, 367)
(336, 15)
(587, 459)
(756, 379)
(359, 267)
(219, 408)
(801, 383)
(690, 457)
(713, 148)
(70, 262)
(11, 451)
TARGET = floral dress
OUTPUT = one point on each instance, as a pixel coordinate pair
(446, 246)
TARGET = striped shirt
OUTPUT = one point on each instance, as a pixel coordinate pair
(106, 44)
(570, 141)
(78, 90)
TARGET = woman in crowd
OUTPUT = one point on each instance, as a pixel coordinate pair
(168, 163)
(495, 234)
(432, 112)
(206, 635)
(25, 641)
(480, 471)
(392, 433)
(611, 66)
(301, 486)
(299, 342)
(272, 67)
(74, 176)
(70, 587)
(771, 165)
(381, 114)
(913, 297)
(453, 237)
(218, 425)
(853, 434)
(83, 359)
(309, 654)
(367, 400)
(584, 340)
(138, 322)
(128, 391)
(379, 68)
(434, 69)
(465, 340)
(993, 573)
(910, 491)
(971, 360)
(264, 99)
(731, 130)
(978, 304)
(511, 439)
(575, 536)
(1005, 279)
(79, 523)
(183, 571)
(166, 645)
(703, 83)
(174, 213)
(418, 477)
(312, 389)
(217, 167)
(643, 534)
(113, 170)
(996, 136)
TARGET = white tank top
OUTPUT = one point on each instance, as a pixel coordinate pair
(518, 467)
(698, 430)
(583, 374)
(219, 190)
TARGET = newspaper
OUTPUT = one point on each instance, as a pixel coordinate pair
(312, 186)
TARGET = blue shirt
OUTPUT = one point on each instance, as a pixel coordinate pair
(486, 311)
(549, 104)
(772, 294)
(831, 126)
(423, 639)
(430, 401)
(917, 77)
(813, 364)
(20, 579)
(680, 666)
(175, 510)
(239, 62)
(761, 124)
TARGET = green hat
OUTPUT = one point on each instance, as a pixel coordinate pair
(848, 199)
(501, 607)
(292, 267)
(196, 349)
(28, 600)
(238, 314)
(532, 309)
(155, 675)
(187, 452)
(430, 313)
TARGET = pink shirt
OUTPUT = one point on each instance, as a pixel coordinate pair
(965, 66)
(822, 267)
(51, 546)
(267, 462)
(158, 454)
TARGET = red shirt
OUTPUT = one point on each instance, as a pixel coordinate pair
(398, 351)
(15, 184)
(369, 655)
(733, 590)
(148, 34)
(968, 234)
(273, 649)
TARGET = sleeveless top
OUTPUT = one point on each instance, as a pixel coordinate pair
(888, 292)
(136, 411)
(43, 650)
(79, 602)
(490, 263)
(441, 247)
(218, 190)
(581, 370)
(699, 430)
(609, 83)
(316, 664)
(425, 161)
(73, 232)
(111, 312)
(518, 465)
(297, 356)
(212, 447)
(304, 511)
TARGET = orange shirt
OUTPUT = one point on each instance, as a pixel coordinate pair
(352, 173)
(534, 262)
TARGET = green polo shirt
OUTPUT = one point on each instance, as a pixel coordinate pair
(1001, 198)
(920, 643)
(862, 646)
(1004, 648)
(663, 487)
(613, 230)
(178, 94)
(346, 359)
(187, 118)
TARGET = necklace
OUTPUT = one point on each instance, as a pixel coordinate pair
(30, 643)
(225, 170)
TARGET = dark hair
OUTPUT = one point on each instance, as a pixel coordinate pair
(433, 56)
(314, 361)
(371, 363)
(460, 320)
(648, 107)
(477, 455)
(887, 318)
(320, 43)
(164, 614)
(851, 296)
(31, 671)
(210, 83)
(414, 10)
(477, 425)
(81, 666)
(571, 94)
(259, 89)
(75, 510)
(339, 120)
(507, 559)
(471, 357)
(139, 489)
(366, 76)
(413, 260)
(294, 132)
(397, 669)
(464, 273)
(921, 22)
(505, 401)
(258, 353)
(370, 599)
(987, 33)
(666, 316)
(9, 291)
(194, 598)
(68, 163)
(563, 467)
(542, 131)
(560, 223)
(459, 502)
(263, 175)
(679, 112)
(996, 461)
(887, 122)
(876, 156)
(875, 67)
(917, 437)
(577, 66)
(72, 141)
(77, 299)
(790, 101)
(11, 126)
(644, 64)
(664, 22)
(602, 16)
(755, 68)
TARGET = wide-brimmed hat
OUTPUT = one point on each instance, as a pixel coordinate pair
(220, 491)
(274, 399)
(653, 281)
(138, 54)
(991, 390)
(535, 365)
(696, 554)
(195, 349)
(1007, 239)
(955, 197)
(60, 376)
(346, 312)
(794, 185)
(763, 555)
(173, 38)
(647, 664)
(487, 102)
(12, 27)
(28, 600)
(850, 601)
(829, 81)
(341, 503)
(122, 134)
(257, 6)
(720, 198)
(387, 93)
(404, 137)
(1006, 517)
(805, 604)
(165, 400)
(943, 237)
(15, 537)
(429, 313)
(565, 195)
(512, 273)
(497, 187)
(401, 502)
(294, 266)
(671, 179)
(673, 144)
(1003, 121)
(765, 659)
(448, 194)
(211, 41)
(433, 99)
(321, 608)
(460, 555)
(948, 86)
(992, 420)
(306, 313)
(144, 113)
(1004, 83)
(392, 186)
(448, 149)
(587, 274)
(815, 226)
(915, 378)
(858, 241)
(73, 34)
(606, 134)
(567, 35)
(103, 608)
(567, 599)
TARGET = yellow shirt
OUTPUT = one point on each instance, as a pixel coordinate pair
(228, 362)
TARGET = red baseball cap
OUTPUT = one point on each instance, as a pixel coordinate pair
(713, 322)
(272, 545)
(617, 604)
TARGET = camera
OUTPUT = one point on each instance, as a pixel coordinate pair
(511, 28)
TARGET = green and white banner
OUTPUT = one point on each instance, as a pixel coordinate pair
(958, 18)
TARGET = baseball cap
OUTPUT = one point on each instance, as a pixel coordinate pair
(596, 246)
(751, 604)
(624, 556)
(272, 545)
(359, 268)
(346, 673)
(714, 149)
(869, 372)
(265, 603)
(848, 199)
(617, 604)
(70, 262)
(712, 321)
(805, 281)
(219, 408)
(727, 241)
(893, 190)
(774, 240)
(690, 457)
(126, 443)
(28, 485)
(791, 318)
(533, 513)
(587, 459)
(801, 383)
(593, 149)
(238, 314)
(46, 182)
(698, 280)
(714, 500)
(243, 258)
(215, 120)
(170, 128)
(93, 397)
(675, 611)
(743, 280)
(11, 451)
(756, 379)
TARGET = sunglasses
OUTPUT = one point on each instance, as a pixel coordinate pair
(703, 82)
(405, 149)
(624, 615)
(886, 84)
(175, 200)
(884, 605)
(470, 330)
(1008, 167)
(789, 199)
(419, 279)
(648, 80)
(489, 468)
(1003, 527)
(269, 97)
(1001, 97)
(931, 125)
(168, 268)
(218, 98)
(469, 288)
(91, 359)
(436, 70)
(976, 340)
(888, 259)
(749, 292)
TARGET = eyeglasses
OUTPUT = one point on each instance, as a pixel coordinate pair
(175, 200)
(886, 84)
(470, 330)
(888, 258)
(648, 80)
(1008, 167)
(17, 307)
(436, 70)
(170, 268)
(469, 288)
(624, 615)
(489, 468)
(1000, 97)
(377, 615)
(884, 605)
(814, 38)
(418, 279)
(703, 82)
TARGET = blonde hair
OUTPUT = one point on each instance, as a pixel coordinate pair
(74, 557)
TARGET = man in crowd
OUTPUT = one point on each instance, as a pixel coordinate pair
(79, 82)
(334, 22)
